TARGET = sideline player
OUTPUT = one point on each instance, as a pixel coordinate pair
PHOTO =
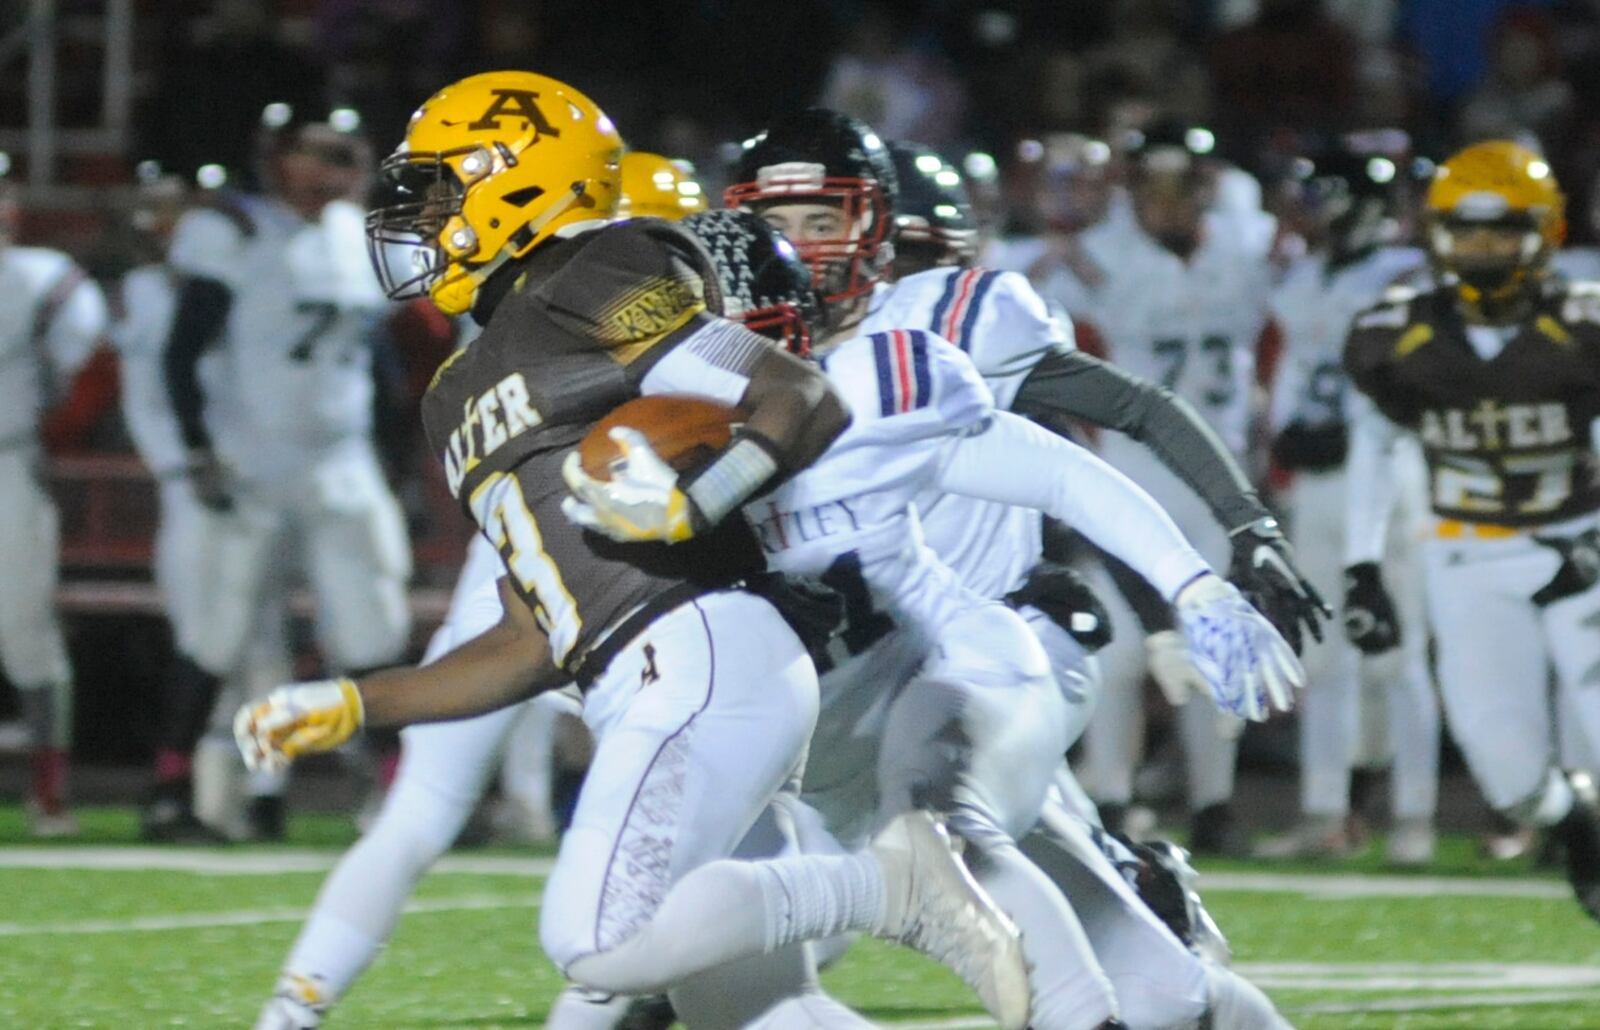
(1181, 300)
(279, 287)
(53, 319)
(1497, 371)
(689, 680)
(1347, 196)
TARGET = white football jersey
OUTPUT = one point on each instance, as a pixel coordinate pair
(52, 319)
(1192, 326)
(849, 520)
(1314, 309)
(298, 339)
(1004, 327)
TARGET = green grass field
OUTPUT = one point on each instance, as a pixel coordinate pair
(99, 933)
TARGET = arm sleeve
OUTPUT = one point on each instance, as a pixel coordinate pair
(1369, 482)
(202, 310)
(1072, 384)
(1016, 462)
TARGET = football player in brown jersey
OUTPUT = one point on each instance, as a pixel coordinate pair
(700, 695)
(1496, 369)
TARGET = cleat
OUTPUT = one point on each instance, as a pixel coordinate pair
(50, 822)
(1507, 840)
(168, 818)
(1579, 834)
(934, 906)
(299, 1005)
(265, 818)
(651, 1013)
(1215, 833)
(1316, 837)
(1411, 843)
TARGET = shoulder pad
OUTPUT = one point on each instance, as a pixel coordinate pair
(629, 283)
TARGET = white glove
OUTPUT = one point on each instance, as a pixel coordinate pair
(641, 500)
(297, 719)
(1167, 657)
(1249, 667)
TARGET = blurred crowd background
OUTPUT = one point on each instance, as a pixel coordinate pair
(1023, 95)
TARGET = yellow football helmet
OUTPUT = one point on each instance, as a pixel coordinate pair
(491, 167)
(654, 186)
(1495, 214)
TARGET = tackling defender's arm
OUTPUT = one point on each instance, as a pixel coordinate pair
(1069, 384)
(508, 663)
(1249, 666)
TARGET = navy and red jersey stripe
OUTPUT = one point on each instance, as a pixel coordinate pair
(904, 381)
(956, 314)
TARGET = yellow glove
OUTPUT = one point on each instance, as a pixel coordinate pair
(297, 719)
(641, 501)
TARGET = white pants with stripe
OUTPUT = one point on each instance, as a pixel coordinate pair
(347, 529)
(31, 646)
(1359, 710)
(1496, 653)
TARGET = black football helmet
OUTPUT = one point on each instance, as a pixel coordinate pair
(822, 156)
(1350, 193)
(764, 283)
(933, 220)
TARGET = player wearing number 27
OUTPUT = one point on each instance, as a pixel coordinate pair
(1497, 371)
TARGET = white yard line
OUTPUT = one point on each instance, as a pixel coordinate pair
(204, 920)
(1445, 1002)
(259, 862)
(1357, 885)
(241, 862)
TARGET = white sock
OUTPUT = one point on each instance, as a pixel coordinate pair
(814, 896)
(333, 953)
(1555, 802)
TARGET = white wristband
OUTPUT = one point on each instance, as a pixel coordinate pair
(731, 479)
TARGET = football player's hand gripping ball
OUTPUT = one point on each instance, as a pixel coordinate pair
(1248, 666)
(641, 501)
(299, 719)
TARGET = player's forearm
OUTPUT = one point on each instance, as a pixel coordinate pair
(1369, 484)
(792, 405)
(506, 664)
(1072, 384)
(202, 311)
(1016, 462)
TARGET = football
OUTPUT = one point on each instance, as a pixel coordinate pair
(682, 430)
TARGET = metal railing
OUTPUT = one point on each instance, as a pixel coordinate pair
(36, 41)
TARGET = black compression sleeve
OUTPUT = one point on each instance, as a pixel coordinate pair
(1072, 384)
(202, 310)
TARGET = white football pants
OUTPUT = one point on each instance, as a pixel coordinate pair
(1496, 650)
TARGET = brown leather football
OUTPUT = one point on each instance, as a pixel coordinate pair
(682, 430)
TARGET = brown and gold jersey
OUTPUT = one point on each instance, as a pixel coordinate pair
(1506, 437)
(583, 321)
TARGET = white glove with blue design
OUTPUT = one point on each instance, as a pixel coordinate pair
(1249, 667)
